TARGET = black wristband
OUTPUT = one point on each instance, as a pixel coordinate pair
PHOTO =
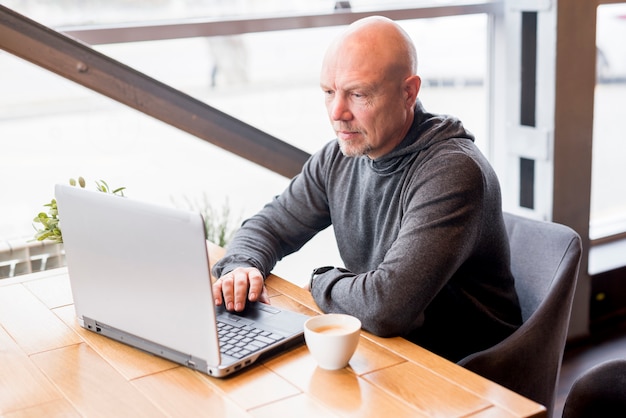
(316, 272)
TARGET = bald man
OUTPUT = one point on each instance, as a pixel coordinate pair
(416, 209)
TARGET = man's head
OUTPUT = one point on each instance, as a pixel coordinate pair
(370, 84)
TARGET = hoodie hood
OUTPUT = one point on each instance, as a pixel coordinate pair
(427, 129)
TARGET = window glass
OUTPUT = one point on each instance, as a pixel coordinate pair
(608, 190)
(98, 12)
(52, 129)
(271, 79)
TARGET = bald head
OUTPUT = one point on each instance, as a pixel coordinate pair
(380, 41)
(370, 84)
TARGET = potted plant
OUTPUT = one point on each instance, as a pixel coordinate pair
(50, 229)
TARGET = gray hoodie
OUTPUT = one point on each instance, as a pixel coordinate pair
(420, 232)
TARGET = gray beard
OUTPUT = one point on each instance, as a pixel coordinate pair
(353, 152)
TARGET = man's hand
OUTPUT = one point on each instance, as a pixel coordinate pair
(240, 285)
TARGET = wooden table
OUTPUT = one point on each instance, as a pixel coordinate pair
(49, 366)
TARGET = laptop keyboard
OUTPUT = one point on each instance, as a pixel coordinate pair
(239, 341)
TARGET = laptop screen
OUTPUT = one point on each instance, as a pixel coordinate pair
(141, 268)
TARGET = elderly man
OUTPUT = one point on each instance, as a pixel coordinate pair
(415, 206)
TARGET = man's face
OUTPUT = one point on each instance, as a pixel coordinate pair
(366, 104)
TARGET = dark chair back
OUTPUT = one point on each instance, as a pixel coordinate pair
(545, 258)
(599, 392)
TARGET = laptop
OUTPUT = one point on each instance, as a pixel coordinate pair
(139, 274)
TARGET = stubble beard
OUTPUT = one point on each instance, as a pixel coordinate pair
(350, 149)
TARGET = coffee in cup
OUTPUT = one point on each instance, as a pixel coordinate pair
(332, 339)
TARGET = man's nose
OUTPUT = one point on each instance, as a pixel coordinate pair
(339, 109)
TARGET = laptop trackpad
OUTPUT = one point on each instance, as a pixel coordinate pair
(263, 316)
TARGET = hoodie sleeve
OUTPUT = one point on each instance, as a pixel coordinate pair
(284, 225)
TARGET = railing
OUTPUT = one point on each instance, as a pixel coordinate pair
(234, 26)
(80, 63)
(22, 257)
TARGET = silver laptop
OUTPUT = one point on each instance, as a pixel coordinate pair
(139, 274)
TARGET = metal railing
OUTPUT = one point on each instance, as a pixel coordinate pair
(21, 257)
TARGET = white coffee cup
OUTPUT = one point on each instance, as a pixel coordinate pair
(332, 339)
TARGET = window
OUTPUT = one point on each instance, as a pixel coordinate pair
(53, 129)
(608, 192)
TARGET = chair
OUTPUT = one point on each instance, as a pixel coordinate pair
(599, 392)
(545, 258)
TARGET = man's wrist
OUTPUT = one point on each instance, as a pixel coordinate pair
(316, 272)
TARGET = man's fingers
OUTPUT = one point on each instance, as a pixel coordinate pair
(256, 285)
(235, 288)
(240, 289)
(264, 296)
(225, 290)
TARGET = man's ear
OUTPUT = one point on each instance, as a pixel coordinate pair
(412, 87)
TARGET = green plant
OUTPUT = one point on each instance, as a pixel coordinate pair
(219, 223)
(102, 186)
(50, 229)
(50, 222)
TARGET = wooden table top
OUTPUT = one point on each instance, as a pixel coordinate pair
(50, 366)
